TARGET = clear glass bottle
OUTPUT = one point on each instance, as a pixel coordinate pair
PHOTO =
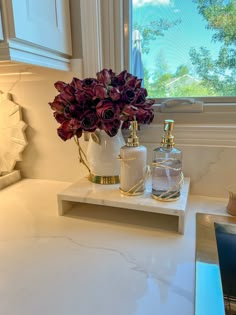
(133, 164)
(167, 175)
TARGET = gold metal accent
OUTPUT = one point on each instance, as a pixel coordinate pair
(82, 155)
(168, 138)
(133, 140)
(123, 159)
(173, 193)
(127, 193)
(104, 180)
(166, 199)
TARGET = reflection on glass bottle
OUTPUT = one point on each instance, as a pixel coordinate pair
(167, 175)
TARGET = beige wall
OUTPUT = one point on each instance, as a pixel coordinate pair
(46, 156)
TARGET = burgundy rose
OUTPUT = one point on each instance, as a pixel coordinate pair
(69, 128)
(107, 110)
(121, 105)
(114, 94)
(100, 91)
(89, 82)
(81, 98)
(140, 96)
(105, 76)
(60, 85)
(131, 82)
(129, 111)
(89, 121)
(121, 78)
(88, 86)
(128, 95)
(128, 76)
(76, 84)
(74, 124)
(59, 117)
(68, 94)
(138, 83)
(67, 112)
(65, 131)
(148, 103)
(84, 101)
(112, 128)
(114, 82)
(74, 110)
(145, 116)
(57, 105)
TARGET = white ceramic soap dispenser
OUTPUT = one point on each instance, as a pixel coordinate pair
(133, 158)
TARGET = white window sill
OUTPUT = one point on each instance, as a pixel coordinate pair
(212, 114)
(215, 126)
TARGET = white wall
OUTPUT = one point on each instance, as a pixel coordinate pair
(211, 167)
(46, 156)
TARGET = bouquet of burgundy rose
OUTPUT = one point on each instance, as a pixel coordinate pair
(105, 103)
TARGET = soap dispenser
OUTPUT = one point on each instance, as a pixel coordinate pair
(167, 176)
(133, 160)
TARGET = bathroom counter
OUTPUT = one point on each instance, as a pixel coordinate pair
(94, 260)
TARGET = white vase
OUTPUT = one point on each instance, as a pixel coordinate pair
(102, 156)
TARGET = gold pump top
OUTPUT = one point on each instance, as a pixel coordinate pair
(133, 139)
(168, 138)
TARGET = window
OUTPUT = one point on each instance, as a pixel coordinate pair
(107, 39)
(105, 44)
(185, 48)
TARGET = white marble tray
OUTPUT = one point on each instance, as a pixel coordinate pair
(84, 191)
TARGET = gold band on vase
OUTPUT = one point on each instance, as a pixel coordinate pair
(104, 180)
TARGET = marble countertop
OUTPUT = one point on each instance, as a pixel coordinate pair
(96, 260)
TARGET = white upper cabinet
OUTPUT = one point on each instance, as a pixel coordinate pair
(36, 32)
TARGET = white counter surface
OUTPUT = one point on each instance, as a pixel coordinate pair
(95, 260)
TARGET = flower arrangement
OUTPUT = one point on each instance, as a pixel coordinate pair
(107, 102)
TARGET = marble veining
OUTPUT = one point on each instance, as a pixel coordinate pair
(206, 169)
(210, 169)
(153, 278)
(66, 265)
(138, 268)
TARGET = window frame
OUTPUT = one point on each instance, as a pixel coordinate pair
(109, 37)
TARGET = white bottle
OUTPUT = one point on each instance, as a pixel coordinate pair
(133, 164)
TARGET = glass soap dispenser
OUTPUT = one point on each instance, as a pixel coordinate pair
(167, 176)
(133, 160)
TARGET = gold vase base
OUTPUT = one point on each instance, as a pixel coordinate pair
(104, 180)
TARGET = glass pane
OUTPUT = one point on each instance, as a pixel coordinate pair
(185, 48)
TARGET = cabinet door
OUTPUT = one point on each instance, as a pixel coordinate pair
(44, 23)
